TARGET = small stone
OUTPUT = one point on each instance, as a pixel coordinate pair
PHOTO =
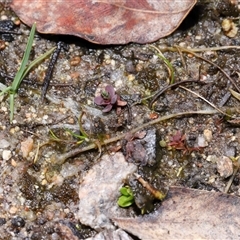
(2, 221)
(13, 209)
(99, 191)
(18, 222)
(230, 151)
(13, 163)
(4, 143)
(201, 141)
(111, 234)
(75, 61)
(44, 182)
(6, 154)
(68, 170)
(26, 146)
(28, 215)
(229, 27)
(191, 120)
(131, 77)
(2, 44)
(211, 158)
(224, 166)
(207, 135)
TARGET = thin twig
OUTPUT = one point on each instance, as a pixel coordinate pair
(53, 60)
(204, 99)
(158, 94)
(183, 61)
(155, 192)
(60, 159)
(212, 63)
(174, 49)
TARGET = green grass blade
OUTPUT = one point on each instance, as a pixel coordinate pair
(53, 136)
(169, 66)
(37, 61)
(18, 78)
(7, 89)
(2, 87)
(11, 100)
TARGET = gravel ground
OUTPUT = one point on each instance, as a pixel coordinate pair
(42, 179)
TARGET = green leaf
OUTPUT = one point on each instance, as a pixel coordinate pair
(127, 197)
(37, 61)
(18, 78)
(124, 201)
(75, 135)
(126, 191)
(23, 70)
(170, 67)
(53, 136)
(5, 90)
(11, 100)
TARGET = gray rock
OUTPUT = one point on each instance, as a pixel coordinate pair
(4, 144)
(201, 141)
(99, 191)
(109, 234)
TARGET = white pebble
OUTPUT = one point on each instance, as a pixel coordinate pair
(6, 154)
(201, 141)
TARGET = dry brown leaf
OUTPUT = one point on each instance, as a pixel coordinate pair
(189, 214)
(105, 21)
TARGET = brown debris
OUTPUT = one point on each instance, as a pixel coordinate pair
(105, 21)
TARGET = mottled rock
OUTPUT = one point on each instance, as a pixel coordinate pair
(99, 191)
(119, 234)
(224, 166)
(140, 148)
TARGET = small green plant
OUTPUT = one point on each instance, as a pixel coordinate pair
(127, 198)
(83, 136)
(167, 63)
(80, 137)
(23, 71)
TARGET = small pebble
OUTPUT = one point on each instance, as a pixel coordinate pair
(4, 17)
(201, 141)
(13, 210)
(224, 166)
(229, 27)
(2, 221)
(4, 143)
(75, 61)
(207, 135)
(13, 163)
(26, 146)
(2, 45)
(18, 222)
(6, 154)
(211, 158)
